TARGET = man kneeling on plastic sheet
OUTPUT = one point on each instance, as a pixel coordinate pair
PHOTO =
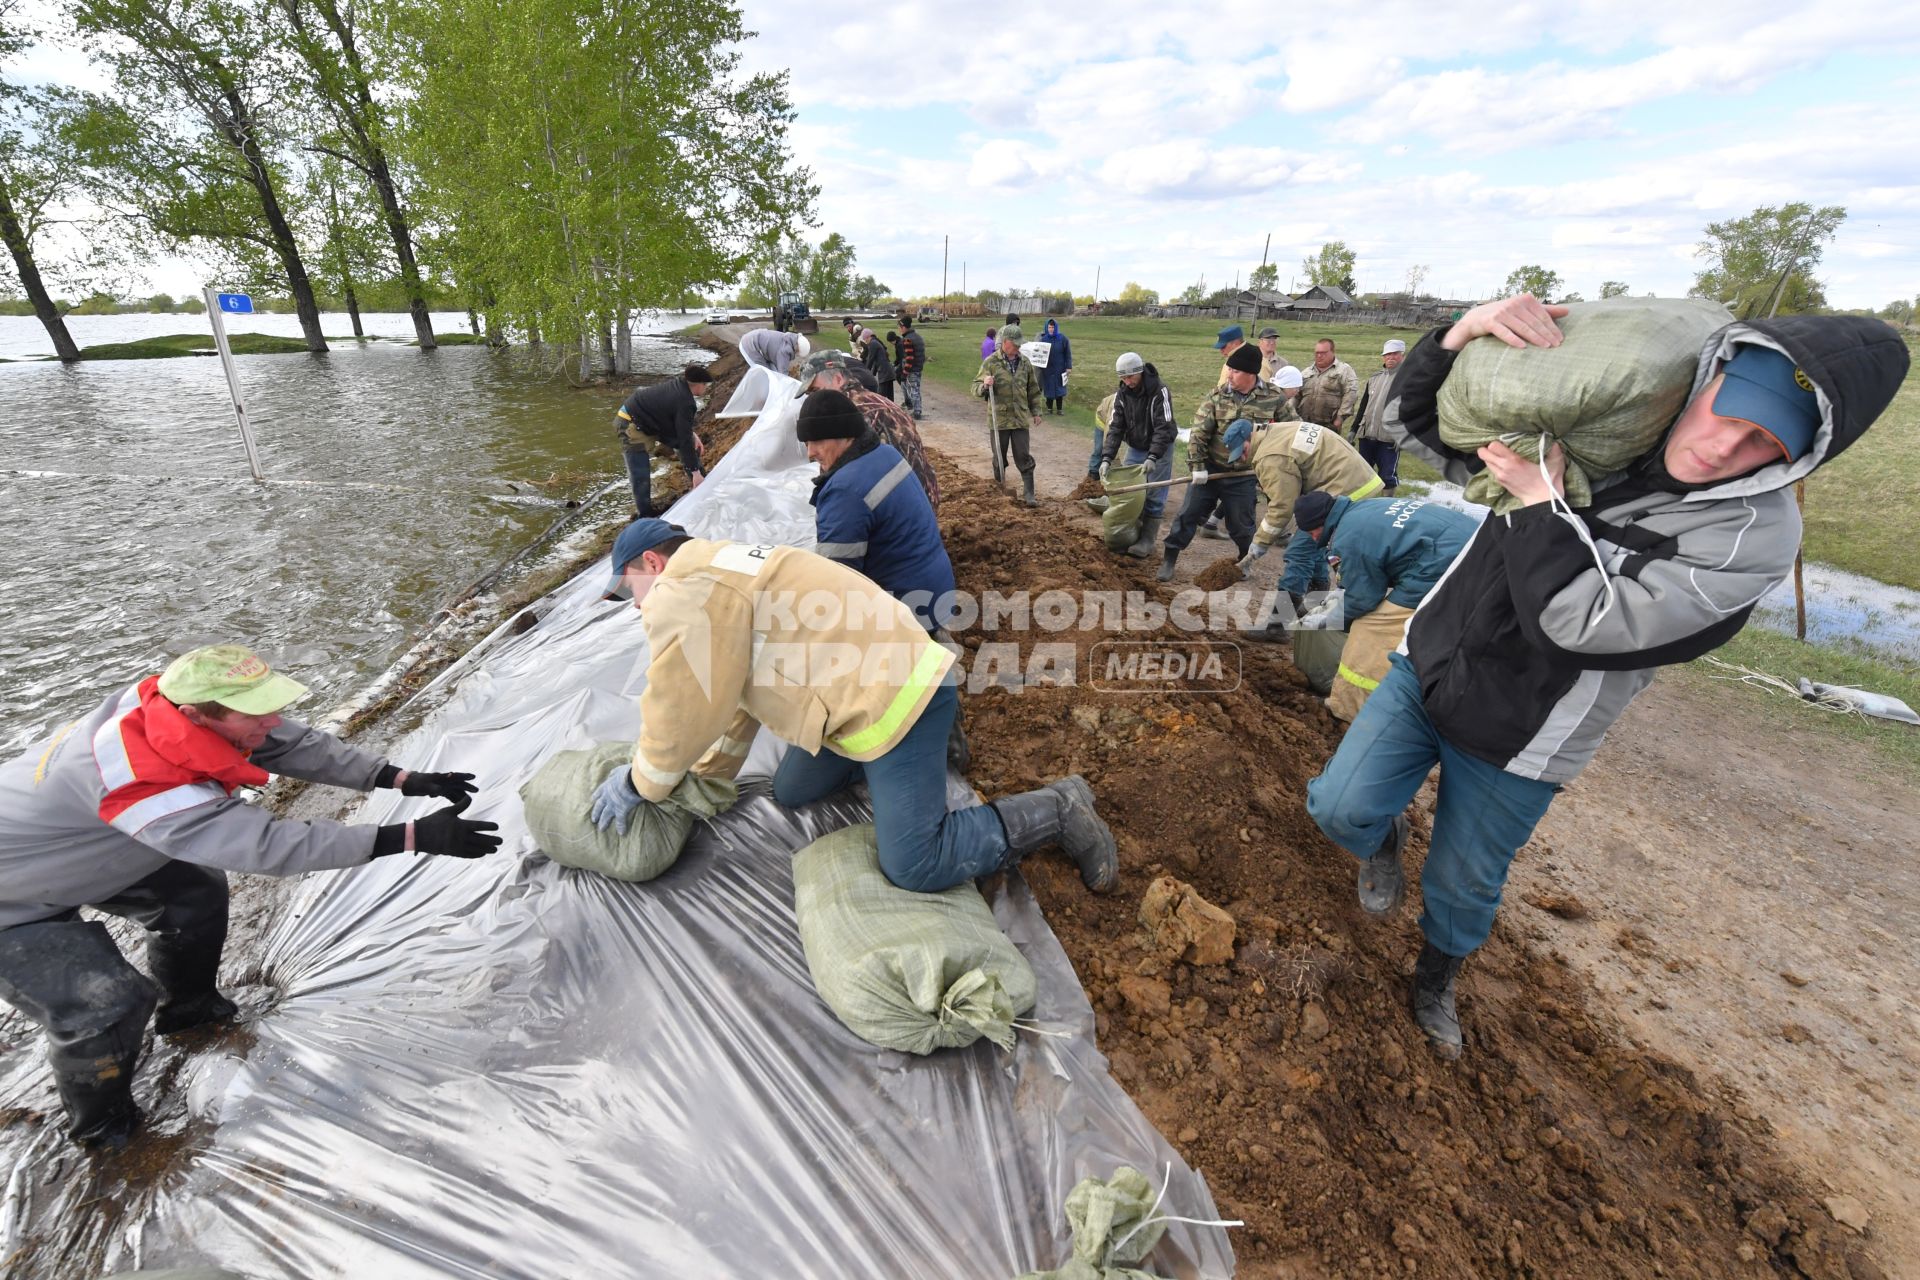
(131, 811)
(1551, 621)
(744, 635)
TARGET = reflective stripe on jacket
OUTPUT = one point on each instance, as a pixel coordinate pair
(1304, 457)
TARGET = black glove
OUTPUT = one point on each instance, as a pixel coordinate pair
(457, 787)
(443, 832)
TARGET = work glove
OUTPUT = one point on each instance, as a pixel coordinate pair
(1103, 471)
(456, 787)
(442, 832)
(1253, 554)
(1153, 460)
(1198, 477)
(615, 800)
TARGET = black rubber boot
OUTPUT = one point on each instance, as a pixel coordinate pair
(1026, 484)
(1168, 558)
(1142, 547)
(101, 1114)
(185, 967)
(1061, 813)
(1212, 529)
(1383, 879)
(1434, 974)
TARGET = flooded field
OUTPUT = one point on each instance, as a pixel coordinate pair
(396, 477)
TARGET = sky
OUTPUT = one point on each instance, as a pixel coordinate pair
(1162, 143)
(1159, 143)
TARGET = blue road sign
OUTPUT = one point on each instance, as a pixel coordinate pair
(238, 303)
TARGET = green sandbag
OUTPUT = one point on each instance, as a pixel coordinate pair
(1121, 519)
(904, 970)
(1607, 394)
(559, 796)
(1105, 1218)
(1317, 654)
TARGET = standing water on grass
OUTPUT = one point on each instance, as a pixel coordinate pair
(133, 531)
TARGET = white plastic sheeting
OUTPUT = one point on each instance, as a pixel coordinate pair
(506, 1068)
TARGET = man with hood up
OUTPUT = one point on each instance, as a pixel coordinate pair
(1143, 421)
(1534, 641)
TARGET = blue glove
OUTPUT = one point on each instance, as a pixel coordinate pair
(615, 801)
(1238, 433)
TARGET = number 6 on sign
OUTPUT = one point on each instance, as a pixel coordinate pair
(236, 303)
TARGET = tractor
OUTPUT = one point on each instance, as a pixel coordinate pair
(792, 314)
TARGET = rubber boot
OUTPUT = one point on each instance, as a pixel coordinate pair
(1061, 812)
(1026, 483)
(101, 1114)
(1383, 880)
(185, 968)
(1168, 558)
(1434, 974)
(1212, 529)
(1142, 547)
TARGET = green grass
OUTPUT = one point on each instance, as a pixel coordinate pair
(454, 340)
(1182, 351)
(1789, 659)
(1863, 509)
(188, 344)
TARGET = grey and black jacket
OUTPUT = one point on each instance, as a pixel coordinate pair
(1527, 652)
(1142, 417)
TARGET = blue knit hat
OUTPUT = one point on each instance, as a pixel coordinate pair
(1310, 512)
(1764, 387)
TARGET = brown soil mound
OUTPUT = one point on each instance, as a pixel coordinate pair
(1219, 575)
(1087, 488)
(1292, 1076)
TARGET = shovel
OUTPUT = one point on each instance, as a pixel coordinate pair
(993, 437)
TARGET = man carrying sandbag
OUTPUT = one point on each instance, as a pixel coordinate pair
(1292, 458)
(1143, 421)
(1389, 555)
(131, 811)
(749, 635)
(1551, 621)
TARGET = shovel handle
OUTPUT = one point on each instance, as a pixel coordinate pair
(1151, 484)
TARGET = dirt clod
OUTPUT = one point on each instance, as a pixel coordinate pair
(1218, 576)
(1182, 925)
(1564, 905)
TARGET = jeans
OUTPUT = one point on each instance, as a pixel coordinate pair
(910, 391)
(922, 846)
(1384, 457)
(1098, 455)
(1156, 498)
(1307, 568)
(640, 476)
(1483, 816)
(1234, 495)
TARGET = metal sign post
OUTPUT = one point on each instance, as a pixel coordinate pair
(239, 304)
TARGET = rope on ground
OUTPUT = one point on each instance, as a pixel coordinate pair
(1774, 684)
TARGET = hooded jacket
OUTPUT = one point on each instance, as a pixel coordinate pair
(1527, 651)
(1053, 378)
(113, 797)
(871, 515)
(1142, 417)
(1392, 552)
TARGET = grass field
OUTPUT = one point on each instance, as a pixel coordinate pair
(187, 344)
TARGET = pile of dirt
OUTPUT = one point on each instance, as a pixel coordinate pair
(1291, 1075)
(1219, 575)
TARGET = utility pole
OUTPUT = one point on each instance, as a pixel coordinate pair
(963, 275)
(1263, 249)
(1096, 286)
(943, 267)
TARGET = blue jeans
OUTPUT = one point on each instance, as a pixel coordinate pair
(1483, 816)
(1384, 457)
(640, 476)
(922, 846)
(1307, 568)
(1099, 450)
(1156, 498)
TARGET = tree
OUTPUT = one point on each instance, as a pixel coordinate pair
(865, 290)
(1897, 312)
(161, 303)
(1536, 280)
(36, 171)
(1264, 276)
(1194, 294)
(194, 142)
(342, 71)
(591, 159)
(1751, 261)
(1416, 277)
(1570, 298)
(350, 236)
(1613, 289)
(828, 278)
(1333, 265)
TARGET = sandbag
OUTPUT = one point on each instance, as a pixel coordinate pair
(1120, 522)
(1106, 1218)
(1363, 659)
(558, 797)
(1607, 394)
(904, 970)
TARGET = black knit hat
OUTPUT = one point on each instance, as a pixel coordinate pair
(829, 415)
(1246, 359)
(1312, 510)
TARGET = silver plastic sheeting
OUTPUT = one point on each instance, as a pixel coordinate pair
(505, 1068)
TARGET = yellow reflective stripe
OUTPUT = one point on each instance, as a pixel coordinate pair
(932, 658)
(40, 770)
(622, 413)
(1368, 489)
(1353, 677)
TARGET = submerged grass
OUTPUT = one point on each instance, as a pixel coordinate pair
(192, 344)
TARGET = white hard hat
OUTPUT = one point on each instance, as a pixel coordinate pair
(1129, 364)
(801, 347)
(1287, 379)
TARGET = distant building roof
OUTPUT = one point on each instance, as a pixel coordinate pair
(1332, 293)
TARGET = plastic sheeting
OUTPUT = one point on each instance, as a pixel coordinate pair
(506, 1068)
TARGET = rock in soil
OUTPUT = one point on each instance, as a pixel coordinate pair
(1182, 925)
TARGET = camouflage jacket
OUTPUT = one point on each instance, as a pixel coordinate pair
(1016, 391)
(894, 425)
(1206, 445)
(1300, 459)
(1327, 396)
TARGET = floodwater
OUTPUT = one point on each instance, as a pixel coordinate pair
(396, 477)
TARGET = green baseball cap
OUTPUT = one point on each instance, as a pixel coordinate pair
(232, 675)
